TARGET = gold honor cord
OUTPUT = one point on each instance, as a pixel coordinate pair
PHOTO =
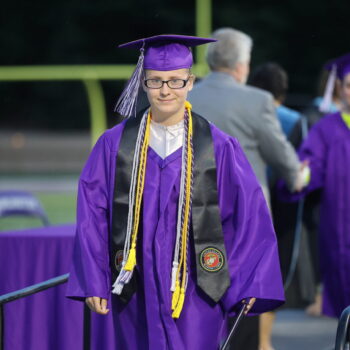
(131, 261)
(179, 293)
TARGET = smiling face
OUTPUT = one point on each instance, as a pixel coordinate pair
(167, 105)
(345, 89)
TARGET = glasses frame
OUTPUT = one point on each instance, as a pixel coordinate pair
(185, 81)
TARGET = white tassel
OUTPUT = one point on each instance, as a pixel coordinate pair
(328, 94)
(186, 280)
(123, 278)
(127, 277)
(173, 275)
(118, 289)
(118, 285)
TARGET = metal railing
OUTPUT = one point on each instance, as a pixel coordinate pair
(36, 288)
(342, 341)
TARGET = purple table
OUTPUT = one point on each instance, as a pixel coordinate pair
(46, 320)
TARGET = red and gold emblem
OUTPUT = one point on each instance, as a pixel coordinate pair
(118, 260)
(211, 259)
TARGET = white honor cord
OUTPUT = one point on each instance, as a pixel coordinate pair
(132, 187)
(179, 215)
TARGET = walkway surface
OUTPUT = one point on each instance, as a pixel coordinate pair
(294, 330)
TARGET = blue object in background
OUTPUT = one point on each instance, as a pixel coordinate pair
(288, 118)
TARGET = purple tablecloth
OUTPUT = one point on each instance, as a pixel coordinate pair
(47, 320)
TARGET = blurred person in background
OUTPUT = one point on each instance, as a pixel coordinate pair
(273, 78)
(317, 108)
(298, 276)
(327, 150)
(248, 114)
(311, 216)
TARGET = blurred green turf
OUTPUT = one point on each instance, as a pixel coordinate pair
(60, 208)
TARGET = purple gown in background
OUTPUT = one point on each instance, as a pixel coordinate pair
(327, 147)
(146, 322)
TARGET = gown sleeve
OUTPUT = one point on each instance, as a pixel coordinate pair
(249, 236)
(90, 273)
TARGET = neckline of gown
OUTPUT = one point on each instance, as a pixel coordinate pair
(162, 163)
(343, 121)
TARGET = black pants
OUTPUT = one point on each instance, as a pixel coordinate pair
(247, 335)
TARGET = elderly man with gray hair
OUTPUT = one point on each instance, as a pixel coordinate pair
(248, 114)
(244, 112)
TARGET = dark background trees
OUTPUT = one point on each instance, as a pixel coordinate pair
(300, 35)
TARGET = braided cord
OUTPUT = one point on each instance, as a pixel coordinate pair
(191, 188)
(187, 203)
(180, 214)
(140, 138)
(179, 294)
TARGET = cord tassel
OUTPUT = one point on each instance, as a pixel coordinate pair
(180, 304)
(173, 276)
(131, 262)
(176, 296)
(126, 105)
(117, 288)
(118, 284)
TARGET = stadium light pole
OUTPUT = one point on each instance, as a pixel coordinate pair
(203, 29)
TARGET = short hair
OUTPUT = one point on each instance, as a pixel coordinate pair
(231, 48)
(271, 77)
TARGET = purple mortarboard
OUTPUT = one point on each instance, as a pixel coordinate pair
(162, 53)
(338, 68)
(342, 65)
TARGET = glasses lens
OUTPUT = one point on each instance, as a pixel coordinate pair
(176, 83)
(153, 83)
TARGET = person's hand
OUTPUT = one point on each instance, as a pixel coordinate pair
(249, 305)
(97, 304)
(302, 176)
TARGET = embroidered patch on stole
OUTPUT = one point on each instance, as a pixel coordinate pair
(118, 259)
(211, 259)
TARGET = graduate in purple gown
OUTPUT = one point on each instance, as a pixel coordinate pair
(327, 150)
(173, 230)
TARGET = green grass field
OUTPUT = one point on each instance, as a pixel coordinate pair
(60, 208)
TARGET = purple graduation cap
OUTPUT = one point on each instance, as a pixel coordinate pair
(341, 64)
(338, 68)
(161, 52)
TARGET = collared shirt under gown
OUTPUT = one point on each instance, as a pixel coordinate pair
(327, 148)
(146, 322)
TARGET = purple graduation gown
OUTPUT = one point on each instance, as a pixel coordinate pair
(146, 322)
(327, 147)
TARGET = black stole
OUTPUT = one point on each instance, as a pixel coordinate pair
(211, 260)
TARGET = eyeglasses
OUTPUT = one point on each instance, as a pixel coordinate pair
(172, 83)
